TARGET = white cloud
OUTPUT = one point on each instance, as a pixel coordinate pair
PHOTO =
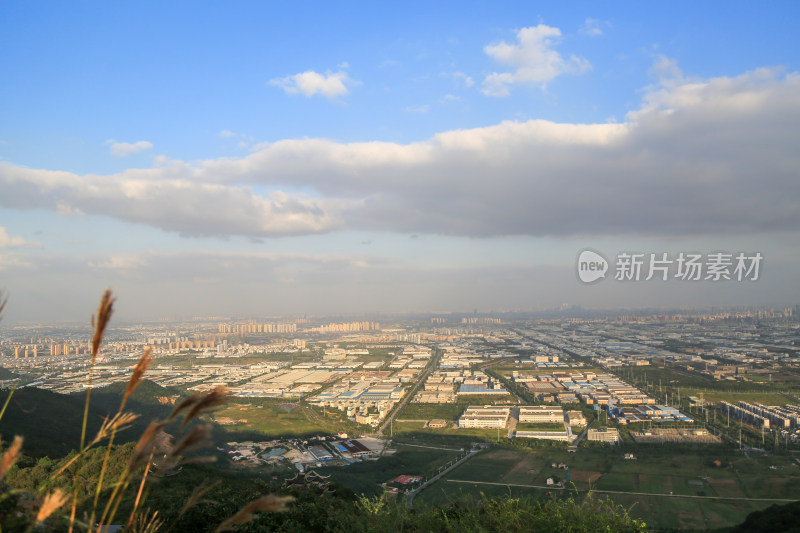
(244, 140)
(122, 149)
(309, 83)
(15, 262)
(686, 162)
(533, 59)
(666, 71)
(417, 108)
(120, 262)
(591, 27)
(460, 78)
(7, 241)
(64, 209)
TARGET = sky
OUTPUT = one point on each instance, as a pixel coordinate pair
(257, 159)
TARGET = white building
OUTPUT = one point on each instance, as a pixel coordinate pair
(484, 416)
(540, 414)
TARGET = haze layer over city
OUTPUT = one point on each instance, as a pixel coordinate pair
(253, 160)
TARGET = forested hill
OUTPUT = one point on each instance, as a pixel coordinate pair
(51, 422)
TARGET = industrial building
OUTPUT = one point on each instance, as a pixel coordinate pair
(484, 416)
(541, 414)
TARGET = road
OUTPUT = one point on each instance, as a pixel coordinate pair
(432, 365)
(411, 495)
(595, 491)
(433, 447)
(584, 433)
(512, 421)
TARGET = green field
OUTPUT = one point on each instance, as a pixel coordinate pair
(540, 426)
(673, 489)
(450, 411)
(271, 418)
(428, 411)
(767, 397)
(405, 430)
(692, 383)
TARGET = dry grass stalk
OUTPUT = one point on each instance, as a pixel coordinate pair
(10, 457)
(197, 438)
(118, 422)
(138, 371)
(8, 401)
(3, 301)
(51, 503)
(196, 497)
(141, 490)
(110, 426)
(104, 312)
(199, 403)
(146, 522)
(247, 513)
(145, 446)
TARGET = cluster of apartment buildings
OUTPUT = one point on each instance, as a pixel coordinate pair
(254, 327)
(344, 327)
(58, 349)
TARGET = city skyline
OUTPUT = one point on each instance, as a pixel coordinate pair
(255, 160)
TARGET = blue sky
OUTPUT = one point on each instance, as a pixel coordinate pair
(362, 157)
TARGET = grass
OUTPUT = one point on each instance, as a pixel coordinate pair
(540, 426)
(270, 419)
(429, 411)
(765, 397)
(657, 470)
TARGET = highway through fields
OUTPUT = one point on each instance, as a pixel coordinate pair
(433, 447)
(431, 366)
(411, 495)
(512, 421)
(596, 491)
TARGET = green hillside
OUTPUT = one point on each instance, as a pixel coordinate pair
(49, 422)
